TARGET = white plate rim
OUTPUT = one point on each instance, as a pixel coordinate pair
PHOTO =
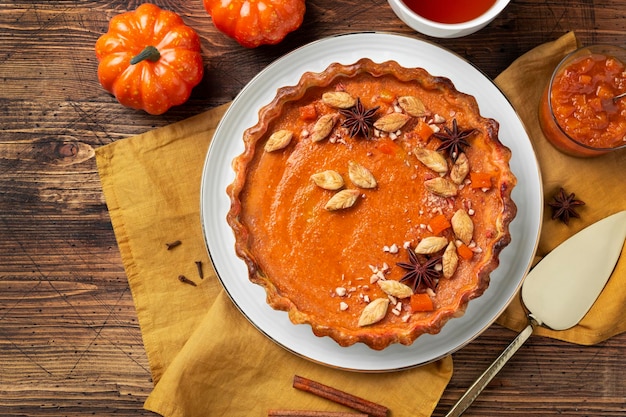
(515, 260)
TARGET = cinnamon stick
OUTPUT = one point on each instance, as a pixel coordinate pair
(364, 406)
(308, 413)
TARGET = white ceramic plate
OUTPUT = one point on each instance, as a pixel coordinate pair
(227, 144)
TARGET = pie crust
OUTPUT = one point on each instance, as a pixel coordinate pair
(324, 262)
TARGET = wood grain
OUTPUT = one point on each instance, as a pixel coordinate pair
(70, 343)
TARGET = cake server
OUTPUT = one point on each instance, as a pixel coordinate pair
(561, 289)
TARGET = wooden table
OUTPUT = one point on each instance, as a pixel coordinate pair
(70, 343)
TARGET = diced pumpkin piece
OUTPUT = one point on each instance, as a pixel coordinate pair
(480, 179)
(421, 302)
(465, 252)
(438, 224)
(423, 130)
(308, 112)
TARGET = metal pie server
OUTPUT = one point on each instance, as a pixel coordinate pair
(561, 289)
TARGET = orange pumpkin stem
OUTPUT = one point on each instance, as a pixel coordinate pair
(149, 52)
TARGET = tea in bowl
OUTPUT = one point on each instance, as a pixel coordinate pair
(582, 111)
(447, 18)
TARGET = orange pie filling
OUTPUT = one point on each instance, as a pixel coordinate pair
(371, 202)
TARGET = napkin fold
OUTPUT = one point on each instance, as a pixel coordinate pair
(599, 182)
(206, 359)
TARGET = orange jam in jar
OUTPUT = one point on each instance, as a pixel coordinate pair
(578, 112)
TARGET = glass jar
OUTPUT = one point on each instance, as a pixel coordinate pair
(578, 111)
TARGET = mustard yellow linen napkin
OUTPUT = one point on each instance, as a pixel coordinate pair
(206, 358)
(599, 182)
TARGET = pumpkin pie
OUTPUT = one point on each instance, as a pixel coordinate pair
(371, 202)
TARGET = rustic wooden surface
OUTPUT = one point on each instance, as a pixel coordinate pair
(70, 343)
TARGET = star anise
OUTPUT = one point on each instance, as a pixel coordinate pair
(564, 206)
(453, 140)
(358, 119)
(420, 272)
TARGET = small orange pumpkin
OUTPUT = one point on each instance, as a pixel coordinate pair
(149, 59)
(256, 22)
